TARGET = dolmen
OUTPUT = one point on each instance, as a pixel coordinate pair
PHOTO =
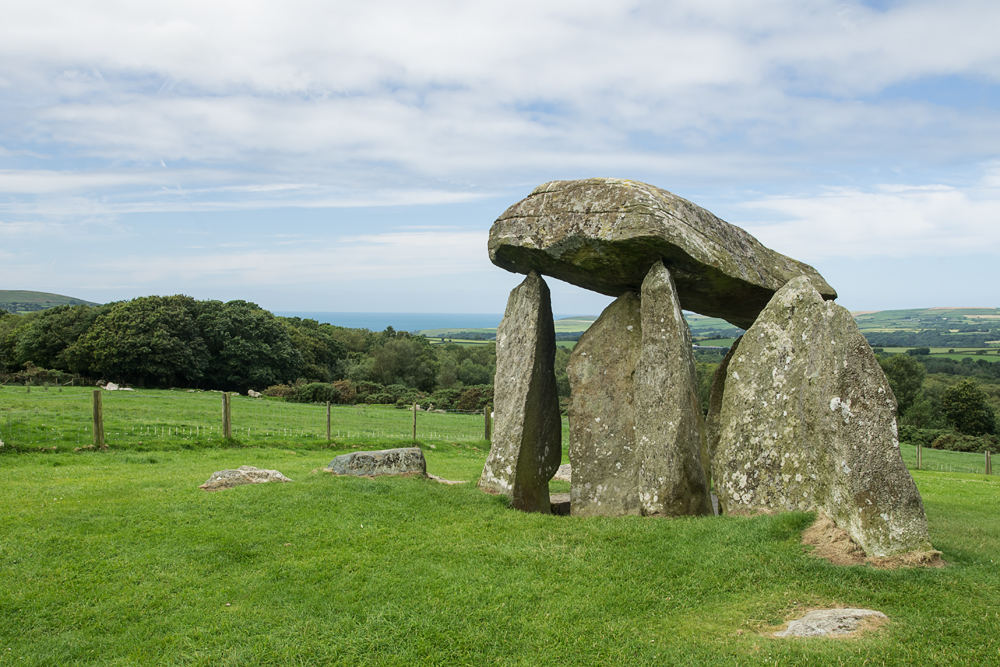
(801, 416)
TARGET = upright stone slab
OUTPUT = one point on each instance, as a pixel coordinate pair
(527, 427)
(602, 450)
(808, 423)
(712, 421)
(636, 440)
(604, 234)
(670, 433)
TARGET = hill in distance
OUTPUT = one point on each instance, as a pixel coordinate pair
(20, 301)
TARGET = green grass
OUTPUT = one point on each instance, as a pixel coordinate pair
(118, 559)
(177, 419)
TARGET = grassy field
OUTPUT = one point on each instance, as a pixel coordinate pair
(177, 419)
(118, 559)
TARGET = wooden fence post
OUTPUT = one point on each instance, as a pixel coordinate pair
(488, 423)
(328, 421)
(227, 419)
(414, 422)
(98, 420)
(920, 457)
(989, 464)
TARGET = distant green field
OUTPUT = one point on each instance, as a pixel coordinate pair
(719, 342)
(21, 301)
(990, 354)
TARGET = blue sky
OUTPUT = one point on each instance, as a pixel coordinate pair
(331, 156)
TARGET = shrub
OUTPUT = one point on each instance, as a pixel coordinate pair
(381, 398)
(348, 393)
(279, 390)
(921, 436)
(315, 392)
(955, 442)
(475, 398)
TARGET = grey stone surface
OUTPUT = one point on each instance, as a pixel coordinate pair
(601, 412)
(604, 234)
(402, 461)
(712, 424)
(226, 479)
(823, 622)
(527, 427)
(808, 423)
(564, 473)
(669, 432)
(636, 439)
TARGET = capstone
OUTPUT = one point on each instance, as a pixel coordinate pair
(604, 234)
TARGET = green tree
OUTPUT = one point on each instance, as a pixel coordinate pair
(965, 408)
(905, 375)
(151, 339)
(323, 356)
(248, 347)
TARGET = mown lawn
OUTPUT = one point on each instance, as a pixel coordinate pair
(119, 559)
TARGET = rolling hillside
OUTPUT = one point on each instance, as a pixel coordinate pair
(19, 301)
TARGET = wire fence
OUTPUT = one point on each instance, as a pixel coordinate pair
(60, 417)
(52, 417)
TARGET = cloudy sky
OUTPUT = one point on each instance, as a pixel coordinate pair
(348, 156)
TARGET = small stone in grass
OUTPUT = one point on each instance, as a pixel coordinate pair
(822, 622)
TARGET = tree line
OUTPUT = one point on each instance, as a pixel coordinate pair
(179, 341)
(943, 403)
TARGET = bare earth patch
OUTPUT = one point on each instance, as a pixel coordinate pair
(835, 545)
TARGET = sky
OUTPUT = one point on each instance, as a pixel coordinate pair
(346, 156)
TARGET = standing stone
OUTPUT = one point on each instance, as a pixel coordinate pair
(670, 433)
(712, 422)
(604, 234)
(527, 427)
(602, 450)
(808, 423)
(637, 441)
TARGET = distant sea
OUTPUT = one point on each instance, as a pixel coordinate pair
(401, 321)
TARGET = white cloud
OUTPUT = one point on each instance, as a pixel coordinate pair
(888, 220)
(395, 256)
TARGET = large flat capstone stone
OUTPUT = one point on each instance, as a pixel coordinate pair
(527, 427)
(402, 461)
(808, 422)
(604, 234)
(637, 440)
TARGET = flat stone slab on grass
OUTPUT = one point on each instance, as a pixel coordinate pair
(227, 479)
(402, 461)
(831, 622)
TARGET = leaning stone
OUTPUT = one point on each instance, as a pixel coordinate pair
(636, 439)
(823, 622)
(402, 461)
(226, 479)
(527, 427)
(564, 473)
(604, 234)
(808, 422)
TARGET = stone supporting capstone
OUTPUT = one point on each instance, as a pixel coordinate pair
(637, 443)
(807, 423)
(527, 428)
